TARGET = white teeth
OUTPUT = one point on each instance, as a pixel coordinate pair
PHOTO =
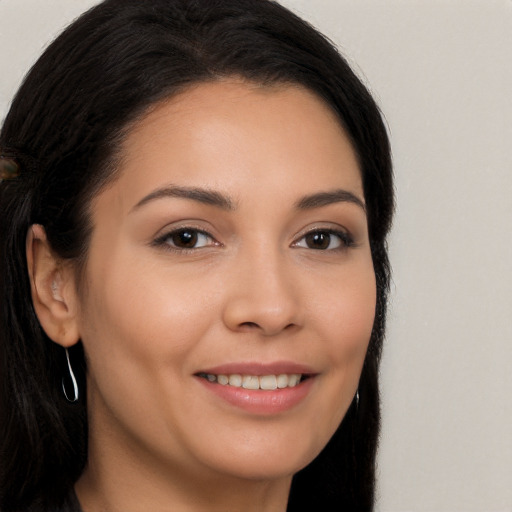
(293, 380)
(282, 381)
(235, 380)
(223, 379)
(268, 382)
(264, 382)
(250, 382)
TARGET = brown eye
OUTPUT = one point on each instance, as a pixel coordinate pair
(325, 240)
(185, 238)
(319, 240)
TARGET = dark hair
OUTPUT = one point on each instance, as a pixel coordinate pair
(64, 129)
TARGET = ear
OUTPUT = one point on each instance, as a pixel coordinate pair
(52, 284)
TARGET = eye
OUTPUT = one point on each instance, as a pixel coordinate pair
(186, 238)
(325, 240)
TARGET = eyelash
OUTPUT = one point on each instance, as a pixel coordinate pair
(345, 239)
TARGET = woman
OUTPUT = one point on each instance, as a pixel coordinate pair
(194, 202)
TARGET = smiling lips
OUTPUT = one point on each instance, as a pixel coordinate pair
(259, 389)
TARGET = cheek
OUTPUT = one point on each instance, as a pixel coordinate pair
(344, 313)
(348, 322)
(357, 324)
(347, 308)
(138, 334)
(136, 319)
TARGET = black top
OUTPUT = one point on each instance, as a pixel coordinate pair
(70, 504)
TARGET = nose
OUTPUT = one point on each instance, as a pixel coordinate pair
(263, 295)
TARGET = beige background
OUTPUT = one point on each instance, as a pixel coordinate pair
(442, 72)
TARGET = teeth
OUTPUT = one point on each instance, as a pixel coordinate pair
(293, 380)
(250, 382)
(235, 380)
(264, 382)
(223, 379)
(268, 382)
(282, 381)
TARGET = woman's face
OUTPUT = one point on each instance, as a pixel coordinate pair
(233, 247)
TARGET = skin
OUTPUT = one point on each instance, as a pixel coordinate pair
(151, 315)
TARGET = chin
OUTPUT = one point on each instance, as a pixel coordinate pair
(266, 463)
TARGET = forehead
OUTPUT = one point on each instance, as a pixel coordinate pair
(233, 135)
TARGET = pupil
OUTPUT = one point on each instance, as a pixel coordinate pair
(185, 239)
(318, 240)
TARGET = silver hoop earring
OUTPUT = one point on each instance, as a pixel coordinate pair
(73, 380)
(357, 399)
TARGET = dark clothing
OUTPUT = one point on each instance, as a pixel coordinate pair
(70, 504)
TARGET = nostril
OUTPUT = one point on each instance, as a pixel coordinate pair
(253, 326)
(250, 325)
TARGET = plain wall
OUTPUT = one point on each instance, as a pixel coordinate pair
(442, 73)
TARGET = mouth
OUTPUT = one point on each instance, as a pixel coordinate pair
(256, 382)
(259, 388)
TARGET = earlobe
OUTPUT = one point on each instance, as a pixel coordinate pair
(53, 289)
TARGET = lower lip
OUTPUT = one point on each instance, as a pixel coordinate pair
(264, 402)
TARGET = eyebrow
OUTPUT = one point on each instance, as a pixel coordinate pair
(329, 197)
(201, 195)
(214, 198)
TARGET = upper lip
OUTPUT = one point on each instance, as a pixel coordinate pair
(259, 368)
